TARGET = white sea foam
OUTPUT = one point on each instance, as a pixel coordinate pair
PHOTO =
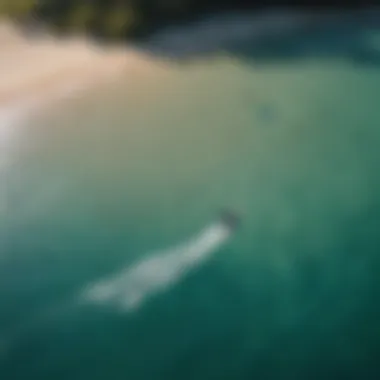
(129, 288)
(9, 117)
(13, 114)
(16, 113)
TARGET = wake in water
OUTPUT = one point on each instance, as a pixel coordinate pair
(129, 288)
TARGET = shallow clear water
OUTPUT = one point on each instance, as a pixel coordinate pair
(102, 181)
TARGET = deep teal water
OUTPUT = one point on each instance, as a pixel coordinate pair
(99, 182)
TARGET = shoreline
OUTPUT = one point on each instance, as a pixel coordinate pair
(43, 67)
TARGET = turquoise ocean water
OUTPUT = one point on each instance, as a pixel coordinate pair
(105, 181)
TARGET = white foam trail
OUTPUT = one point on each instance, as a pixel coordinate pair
(128, 289)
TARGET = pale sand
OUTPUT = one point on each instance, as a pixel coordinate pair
(44, 68)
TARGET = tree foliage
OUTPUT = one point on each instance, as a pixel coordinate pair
(133, 18)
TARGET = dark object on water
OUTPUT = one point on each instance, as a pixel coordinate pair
(230, 219)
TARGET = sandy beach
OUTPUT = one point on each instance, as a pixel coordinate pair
(45, 69)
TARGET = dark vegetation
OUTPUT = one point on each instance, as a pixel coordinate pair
(160, 27)
(133, 19)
